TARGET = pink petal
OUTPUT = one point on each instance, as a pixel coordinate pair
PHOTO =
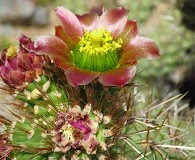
(16, 77)
(89, 22)
(130, 30)
(62, 63)
(59, 32)
(25, 61)
(77, 76)
(81, 126)
(70, 24)
(118, 77)
(90, 144)
(26, 44)
(37, 61)
(139, 47)
(29, 76)
(114, 20)
(52, 46)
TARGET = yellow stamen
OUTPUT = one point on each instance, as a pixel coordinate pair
(98, 42)
(11, 51)
(67, 131)
(96, 37)
(97, 51)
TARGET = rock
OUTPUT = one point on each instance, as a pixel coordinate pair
(6, 30)
(23, 12)
(16, 11)
(40, 16)
(6, 109)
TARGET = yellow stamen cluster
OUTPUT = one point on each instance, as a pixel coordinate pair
(67, 130)
(98, 42)
(97, 51)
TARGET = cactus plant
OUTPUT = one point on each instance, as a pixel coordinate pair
(80, 103)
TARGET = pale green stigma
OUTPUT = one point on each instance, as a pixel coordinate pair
(97, 51)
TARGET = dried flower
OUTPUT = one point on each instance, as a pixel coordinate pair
(87, 47)
(20, 66)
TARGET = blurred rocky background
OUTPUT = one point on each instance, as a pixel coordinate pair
(23, 12)
(187, 8)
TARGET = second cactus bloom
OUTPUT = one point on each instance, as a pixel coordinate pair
(89, 46)
(82, 131)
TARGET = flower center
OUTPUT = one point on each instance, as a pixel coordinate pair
(67, 130)
(97, 51)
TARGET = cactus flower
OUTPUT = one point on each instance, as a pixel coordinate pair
(20, 66)
(83, 130)
(75, 129)
(89, 46)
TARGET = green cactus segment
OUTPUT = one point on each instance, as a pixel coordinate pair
(43, 99)
(57, 95)
(44, 96)
(146, 139)
(29, 135)
(20, 155)
(24, 156)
